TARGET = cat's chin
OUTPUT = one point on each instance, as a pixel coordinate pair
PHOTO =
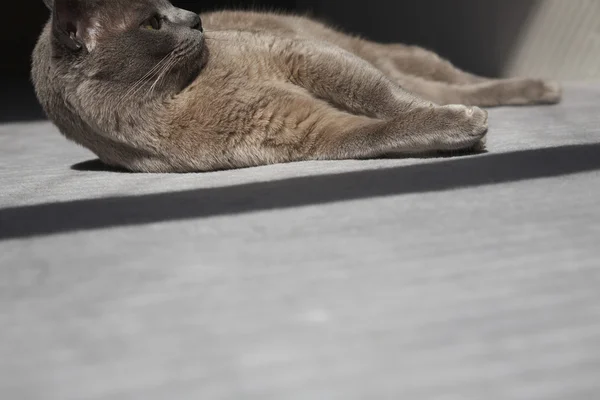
(191, 78)
(193, 68)
(197, 68)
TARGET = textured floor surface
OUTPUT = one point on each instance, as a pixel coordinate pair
(465, 278)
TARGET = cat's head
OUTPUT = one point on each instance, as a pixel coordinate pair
(125, 41)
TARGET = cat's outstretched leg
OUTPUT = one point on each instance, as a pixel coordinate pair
(500, 92)
(419, 130)
(433, 78)
(425, 74)
(422, 63)
(346, 81)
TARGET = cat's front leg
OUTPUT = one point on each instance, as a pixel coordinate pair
(419, 130)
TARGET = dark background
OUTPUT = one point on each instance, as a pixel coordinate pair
(475, 34)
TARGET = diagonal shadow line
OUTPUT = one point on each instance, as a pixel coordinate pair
(79, 215)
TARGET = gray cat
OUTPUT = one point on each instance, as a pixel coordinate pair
(145, 87)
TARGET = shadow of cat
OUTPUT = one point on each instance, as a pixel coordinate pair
(456, 173)
(96, 165)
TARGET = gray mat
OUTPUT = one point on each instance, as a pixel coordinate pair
(464, 278)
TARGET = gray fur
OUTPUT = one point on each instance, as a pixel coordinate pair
(254, 89)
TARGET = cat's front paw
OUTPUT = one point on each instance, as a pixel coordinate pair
(465, 128)
(451, 128)
(473, 118)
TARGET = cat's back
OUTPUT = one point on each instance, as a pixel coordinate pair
(41, 66)
(248, 21)
(252, 21)
(49, 84)
(277, 24)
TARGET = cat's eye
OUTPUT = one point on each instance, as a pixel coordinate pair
(153, 23)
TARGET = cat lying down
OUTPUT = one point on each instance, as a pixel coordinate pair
(153, 88)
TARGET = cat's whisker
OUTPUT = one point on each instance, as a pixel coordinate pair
(162, 71)
(134, 89)
(150, 72)
(159, 71)
(163, 74)
(137, 85)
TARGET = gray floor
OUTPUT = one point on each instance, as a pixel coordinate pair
(465, 278)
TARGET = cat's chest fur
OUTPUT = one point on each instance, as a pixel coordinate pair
(245, 75)
(255, 58)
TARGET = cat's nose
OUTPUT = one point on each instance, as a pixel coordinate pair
(197, 23)
(186, 18)
(192, 20)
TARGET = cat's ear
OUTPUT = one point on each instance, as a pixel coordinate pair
(73, 23)
(49, 4)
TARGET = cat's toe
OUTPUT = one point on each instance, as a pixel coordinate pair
(473, 120)
(480, 120)
(467, 128)
(479, 128)
(537, 91)
(480, 146)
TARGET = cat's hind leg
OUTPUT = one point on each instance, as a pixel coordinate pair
(422, 63)
(501, 92)
(425, 74)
